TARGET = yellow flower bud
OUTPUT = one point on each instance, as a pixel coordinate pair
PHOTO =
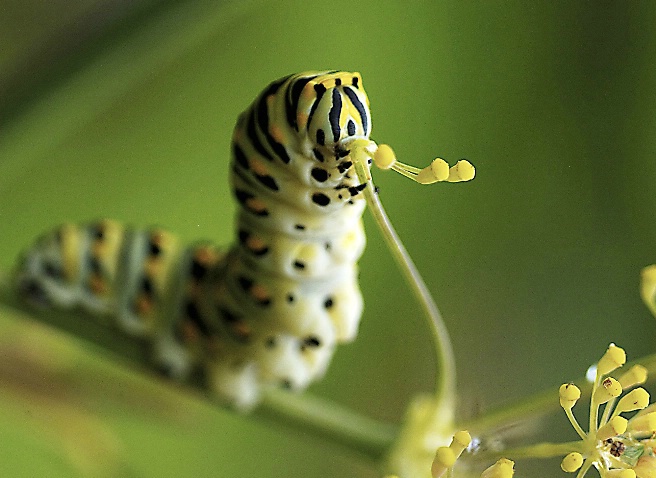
(384, 157)
(444, 459)
(438, 170)
(634, 400)
(569, 395)
(636, 375)
(616, 426)
(643, 423)
(648, 287)
(646, 467)
(503, 468)
(571, 462)
(614, 358)
(609, 388)
(461, 440)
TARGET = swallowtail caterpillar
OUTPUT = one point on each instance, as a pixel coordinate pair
(271, 309)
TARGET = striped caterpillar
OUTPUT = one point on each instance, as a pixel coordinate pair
(271, 309)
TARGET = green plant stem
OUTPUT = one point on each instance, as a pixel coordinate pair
(321, 418)
(445, 381)
(540, 404)
(311, 414)
(540, 450)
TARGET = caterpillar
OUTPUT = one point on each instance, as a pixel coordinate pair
(271, 309)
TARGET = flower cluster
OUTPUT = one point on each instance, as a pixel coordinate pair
(616, 446)
(446, 456)
(427, 426)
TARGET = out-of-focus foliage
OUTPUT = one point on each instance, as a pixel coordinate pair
(538, 257)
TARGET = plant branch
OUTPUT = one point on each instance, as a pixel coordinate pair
(321, 418)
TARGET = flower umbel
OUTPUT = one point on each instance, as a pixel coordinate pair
(616, 446)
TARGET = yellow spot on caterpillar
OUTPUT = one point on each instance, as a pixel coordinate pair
(153, 267)
(99, 248)
(70, 245)
(349, 240)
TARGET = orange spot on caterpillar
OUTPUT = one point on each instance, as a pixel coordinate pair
(256, 205)
(143, 305)
(241, 329)
(301, 120)
(308, 90)
(258, 167)
(260, 293)
(206, 255)
(254, 243)
(98, 285)
(276, 131)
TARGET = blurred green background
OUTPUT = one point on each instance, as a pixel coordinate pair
(125, 110)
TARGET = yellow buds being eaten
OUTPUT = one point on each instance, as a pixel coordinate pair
(437, 171)
(384, 156)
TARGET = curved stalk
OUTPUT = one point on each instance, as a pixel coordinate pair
(445, 381)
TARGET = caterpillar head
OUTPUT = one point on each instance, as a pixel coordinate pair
(331, 112)
(333, 109)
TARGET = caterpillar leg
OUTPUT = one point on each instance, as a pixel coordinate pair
(235, 382)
